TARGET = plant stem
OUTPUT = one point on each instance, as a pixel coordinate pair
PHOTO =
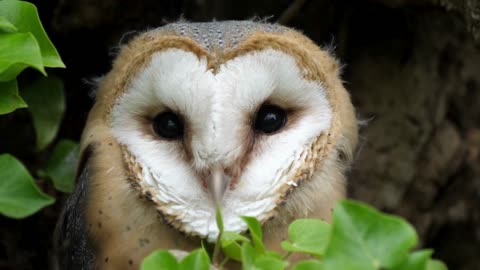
(287, 255)
(225, 260)
(216, 250)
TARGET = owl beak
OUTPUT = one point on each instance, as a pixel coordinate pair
(217, 183)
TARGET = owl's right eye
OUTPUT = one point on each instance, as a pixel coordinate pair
(168, 125)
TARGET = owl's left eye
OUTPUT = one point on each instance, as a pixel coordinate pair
(168, 125)
(269, 119)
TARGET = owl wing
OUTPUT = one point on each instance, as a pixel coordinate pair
(72, 246)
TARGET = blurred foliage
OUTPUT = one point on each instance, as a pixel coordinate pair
(62, 164)
(46, 103)
(19, 196)
(24, 44)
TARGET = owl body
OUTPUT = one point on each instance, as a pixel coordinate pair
(245, 116)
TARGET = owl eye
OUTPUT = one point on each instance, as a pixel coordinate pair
(270, 118)
(168, 125)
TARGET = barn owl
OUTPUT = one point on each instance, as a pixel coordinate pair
(250, 117)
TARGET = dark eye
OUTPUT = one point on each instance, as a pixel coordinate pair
(168, 125)
(270, 118)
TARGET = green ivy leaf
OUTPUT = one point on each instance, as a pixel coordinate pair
(416, 261)
(232, 250)
(270, 263)
(17, 52)
(253, 226)
(233, 236)
(62, 164)
(161, 259)
(9, 98)
(308, 265)
(19, 196)
(24, 17)
(252, 260)
(436, 265)
(196, 260)
(274, 254)
(230, 243)
(46, 113)
(6, 26)
(363, 238)
(307, 236)
(256, 233)
(248, 257)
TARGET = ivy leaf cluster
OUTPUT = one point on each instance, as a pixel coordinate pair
(359, 238)
(25, 44)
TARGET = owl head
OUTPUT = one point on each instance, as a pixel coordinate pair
(249, 117)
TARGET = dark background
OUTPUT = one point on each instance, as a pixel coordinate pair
(411, 66)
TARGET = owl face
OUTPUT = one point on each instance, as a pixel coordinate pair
(252, 120)
(237, 127)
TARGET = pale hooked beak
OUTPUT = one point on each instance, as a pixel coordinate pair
(217, 183)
